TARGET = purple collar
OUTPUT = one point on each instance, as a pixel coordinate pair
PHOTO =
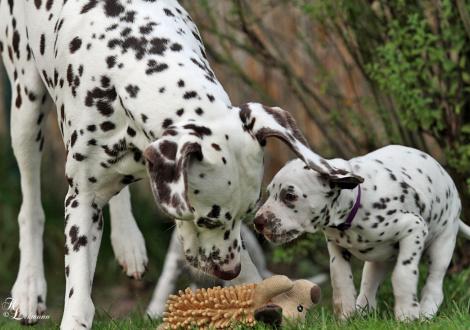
(347, 224)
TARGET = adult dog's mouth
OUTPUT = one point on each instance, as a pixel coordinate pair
(281, 238)
(226, 273)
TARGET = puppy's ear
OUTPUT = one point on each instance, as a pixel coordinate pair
(344, 183)
(264, 122)
(167, 164)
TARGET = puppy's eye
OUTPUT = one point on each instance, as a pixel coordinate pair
(300, 308)
(290, 197)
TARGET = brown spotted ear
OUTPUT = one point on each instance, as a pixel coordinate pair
(264, 122)
(167, 165)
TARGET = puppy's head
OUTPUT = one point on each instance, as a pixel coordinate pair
(299, 201)
(208, 177)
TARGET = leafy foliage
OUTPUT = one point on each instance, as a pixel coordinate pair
(424, 64)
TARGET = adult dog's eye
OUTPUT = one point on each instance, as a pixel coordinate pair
(290, 197)
(300, 308)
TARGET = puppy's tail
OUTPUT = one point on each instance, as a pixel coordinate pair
(464, 229)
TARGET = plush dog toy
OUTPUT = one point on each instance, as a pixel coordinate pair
(220, 308)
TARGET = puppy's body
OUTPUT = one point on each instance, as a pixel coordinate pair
(398, 181)
(408, 204)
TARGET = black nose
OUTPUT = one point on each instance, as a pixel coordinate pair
(260, 223)
(227, 275)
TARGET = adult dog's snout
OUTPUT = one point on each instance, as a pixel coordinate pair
(226, 275)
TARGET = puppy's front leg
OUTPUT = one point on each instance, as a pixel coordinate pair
(344, 292)
(83, 231)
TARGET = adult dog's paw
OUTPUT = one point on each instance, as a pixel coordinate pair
(78, 314)
(129, 249)
(28, 297)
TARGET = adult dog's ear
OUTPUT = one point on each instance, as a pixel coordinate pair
(167, 164)
(264, 122)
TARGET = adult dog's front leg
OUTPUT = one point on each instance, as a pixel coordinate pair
(405, 274)
(83, 231)
(344, 292)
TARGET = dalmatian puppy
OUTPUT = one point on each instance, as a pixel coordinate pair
(408, 205)
(135, 98)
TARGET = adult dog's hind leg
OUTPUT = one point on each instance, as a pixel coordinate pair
(172, 268)
(126, 239)
(27, 137)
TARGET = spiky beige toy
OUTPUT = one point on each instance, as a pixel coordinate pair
(268, 301)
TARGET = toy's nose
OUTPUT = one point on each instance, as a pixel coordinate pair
(227, 275)
(260, 223)
(315, 294)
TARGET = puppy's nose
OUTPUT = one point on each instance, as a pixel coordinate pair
(260, 223)
(227, 275)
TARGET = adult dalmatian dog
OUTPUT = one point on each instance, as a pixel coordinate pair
(135, 96)
(408, 205)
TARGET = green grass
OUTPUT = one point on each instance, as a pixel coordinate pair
(452, 317)
(454, 314)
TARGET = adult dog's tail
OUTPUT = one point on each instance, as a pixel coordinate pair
(464, 229)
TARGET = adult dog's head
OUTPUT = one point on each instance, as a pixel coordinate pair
(208, 177)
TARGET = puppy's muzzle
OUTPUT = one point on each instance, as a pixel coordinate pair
(262, 220)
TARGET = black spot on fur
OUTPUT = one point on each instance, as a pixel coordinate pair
(75, 45)
(107, 126)
(90, 5)
(113, 8)
(42, 44)
(215, 212)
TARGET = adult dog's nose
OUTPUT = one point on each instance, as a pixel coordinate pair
(260, 223)
(227, 275)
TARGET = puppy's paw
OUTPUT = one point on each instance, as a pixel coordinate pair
(428, 309)
(407, 312)
(344, 310)
(365, 304)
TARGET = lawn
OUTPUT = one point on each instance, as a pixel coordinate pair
(454, 314)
